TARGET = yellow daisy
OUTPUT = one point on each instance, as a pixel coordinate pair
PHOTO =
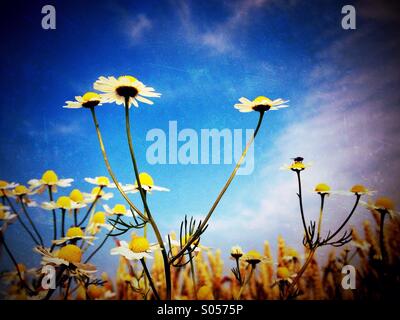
(147, 183)
(260, 103)
(125, 87)
(137, 249)
(88, 100)
(50, 178)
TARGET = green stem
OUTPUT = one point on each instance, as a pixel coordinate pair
(222, 192)
(75, 217)
(21, 222)
(98, 196)
(321, 210)
(54, 215)
(103, 151)
(302, 209)
(62, 223)
(146, 271)
(246, 283)
(382, 238)
(193, 275)
(30, 221)
(167, 270)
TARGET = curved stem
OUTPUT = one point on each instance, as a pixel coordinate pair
(193, 275)
(347, 219)
(247, 281)
(221, 193)
(302, 209)
(102, 243)
(146, 271)
(149, 217)
(321, 210)
(98, 196)
(103, 150)
(62, 223)
(54, 214)
(3, 241)
(30, 221)
(21, 222)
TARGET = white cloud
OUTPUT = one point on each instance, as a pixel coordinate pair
(139, 26)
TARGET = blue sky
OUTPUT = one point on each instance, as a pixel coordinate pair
(202, 57)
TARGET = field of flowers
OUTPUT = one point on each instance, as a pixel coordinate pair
(177, 265)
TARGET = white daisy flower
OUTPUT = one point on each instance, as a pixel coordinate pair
(4, 185)
(116, 90)
(97, 222)
(382, 204)
(74, 234)
(88, 100)
(5, 215)
(69, 256)
(137, 249)
(118, 209)
(146, 182)
(49, 178)
(260, 103)
(100, 181)
(62, 202)
(97, 192)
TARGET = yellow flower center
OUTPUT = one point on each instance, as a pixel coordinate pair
(260, 100)
(384, 203)
(130, 78)
(75, 232)
(322, 187)
(99, 217)
(282, 273)
(103, 181)
(76, 195)
(297, 166)
(96, 190)
(253, 256)
(70, 253)
(50, 177)
(119, 209)
(64, 202)
(21, 190)
(145, 179)
(358, 188)
(90, 96)
(139, 244)
(3, 184)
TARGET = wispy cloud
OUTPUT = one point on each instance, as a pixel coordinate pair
(220, 36)
(138, 26)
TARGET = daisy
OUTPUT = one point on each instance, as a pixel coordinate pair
(96, 222)
(297, 165)
(69, 256)
(382, 205)
(138, 248)
(146, 182)
(97, 192)
(77, 196)
(118, 209)
(64, 203)
(195, 246)
(5, 215)
(4, 185)
(49, 179)
(21, 190)
(125, 87)
(88, 100)
(358, 190)
(322, 188)
(260, 103)
(283, 275)
(236, 252)
(100, 181)
(74, 234)
(253, 258)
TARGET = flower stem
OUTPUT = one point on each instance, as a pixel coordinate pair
(146, 271)
(30, 221)
(54, 215)
(62, 223)
(321, 210)
(302, 209)
(221, 193)
(149, 217)
(75, 217)
(102, 243)
(98, 196)
(246, 282)
(382, 238)
(21, 221)
(193, 275)
(103, 150)
(23, 283)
